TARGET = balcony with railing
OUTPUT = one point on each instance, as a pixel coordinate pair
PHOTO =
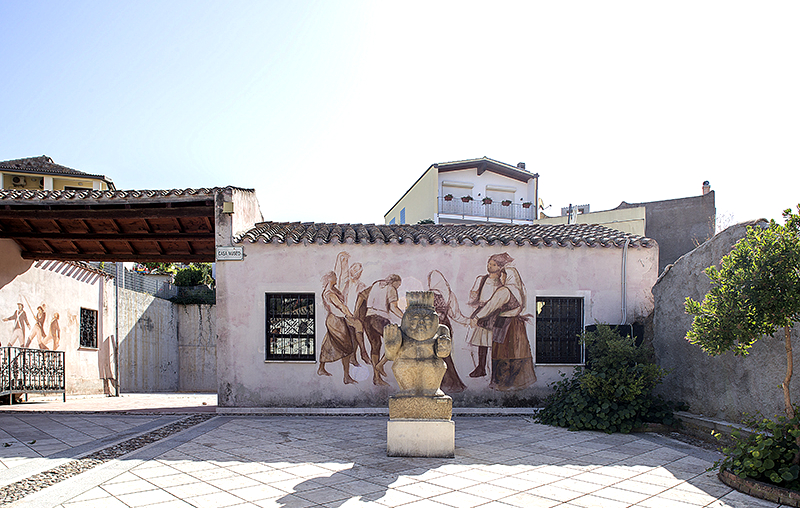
(495, 211)
(24, 370)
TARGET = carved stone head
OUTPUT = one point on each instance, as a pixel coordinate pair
(420, 321)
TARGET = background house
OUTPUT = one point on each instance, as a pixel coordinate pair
(480, 178)
(41, 173)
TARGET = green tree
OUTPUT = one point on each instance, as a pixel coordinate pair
(754, 292)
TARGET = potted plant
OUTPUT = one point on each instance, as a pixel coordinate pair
(466, 199)
(448, 197)
(487, 201)
(526, 204)
(506, 202)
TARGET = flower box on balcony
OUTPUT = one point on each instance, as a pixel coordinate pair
(506, 202)
(448, 197)
(466, 199)
(527, 204)
(487, 201)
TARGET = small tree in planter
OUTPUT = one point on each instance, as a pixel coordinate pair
(754, 292)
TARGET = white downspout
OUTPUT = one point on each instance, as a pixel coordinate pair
(624, 289)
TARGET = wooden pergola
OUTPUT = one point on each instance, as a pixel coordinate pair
(138, 226)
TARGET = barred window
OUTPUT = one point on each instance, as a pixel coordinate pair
(290, 326)
(88, 328)
(559, 325)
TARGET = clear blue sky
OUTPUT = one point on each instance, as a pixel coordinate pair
(331, 110)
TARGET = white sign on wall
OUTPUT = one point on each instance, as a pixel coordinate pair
(230, 253)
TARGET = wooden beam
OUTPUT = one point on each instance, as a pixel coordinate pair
(110, 237)
(138, 258)
(112, 213)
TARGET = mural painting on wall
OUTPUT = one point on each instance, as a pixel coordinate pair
(497, 322)
(20, 338)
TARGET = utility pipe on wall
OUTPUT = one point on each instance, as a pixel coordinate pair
(116, 328)
(624, 289)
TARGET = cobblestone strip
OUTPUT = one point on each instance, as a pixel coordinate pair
(37, 482)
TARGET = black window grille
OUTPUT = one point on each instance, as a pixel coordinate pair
(559, 324)
(88, 328)
(290, 326)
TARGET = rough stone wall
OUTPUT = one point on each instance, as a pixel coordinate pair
(723, 386)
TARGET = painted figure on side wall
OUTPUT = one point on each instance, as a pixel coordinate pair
(341, 329)
(377, 307)
(37, 332)
(498, 322)
(446, 306)
(55, 333)
(20, 320)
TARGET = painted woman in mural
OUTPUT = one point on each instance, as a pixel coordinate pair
(348, 281)
(20, 320)
(498, 322)
(341, 328)
(446, 306)
(55, 333)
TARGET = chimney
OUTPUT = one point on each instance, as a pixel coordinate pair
(521, 165)
(706, 187)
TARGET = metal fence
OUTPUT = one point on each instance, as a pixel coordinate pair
(142, 283)
(24, 370)
(495, 209)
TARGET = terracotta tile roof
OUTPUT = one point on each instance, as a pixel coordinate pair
(45, 165)
(29, 196)
(547, 235)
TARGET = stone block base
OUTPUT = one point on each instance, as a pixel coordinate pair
(420, 438)
(421, 408)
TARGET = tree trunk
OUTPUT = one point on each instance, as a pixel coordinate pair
(787, 399)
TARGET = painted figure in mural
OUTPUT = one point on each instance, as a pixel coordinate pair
(105, 364)
(377, 307)
(20, 320)
(341, 329)
(37, 332)
(499, 298)
(446, 306)
(348, 280)
(417, 347)
(55, 333)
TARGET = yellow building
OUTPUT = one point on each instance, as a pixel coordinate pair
(41, 173)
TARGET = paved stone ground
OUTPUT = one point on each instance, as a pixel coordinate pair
(293, 461)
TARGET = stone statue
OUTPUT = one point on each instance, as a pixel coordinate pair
(420, 414)
(417, 347)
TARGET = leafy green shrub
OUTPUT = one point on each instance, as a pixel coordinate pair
(195, 274)
(613, 392)
(766, 454)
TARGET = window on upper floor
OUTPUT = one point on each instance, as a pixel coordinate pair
(559, 325)
(403, 216)
(290, 326)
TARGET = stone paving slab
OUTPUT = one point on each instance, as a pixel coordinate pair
(145, 403)
(295, 461)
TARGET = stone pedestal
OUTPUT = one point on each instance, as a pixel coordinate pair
(421, 438)
(421, 427)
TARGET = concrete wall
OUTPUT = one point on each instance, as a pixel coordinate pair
(678, 225)
(629, 220)
(166, 347)
(197, 351)
(246, 379)
(722, 386)
(148, 347)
